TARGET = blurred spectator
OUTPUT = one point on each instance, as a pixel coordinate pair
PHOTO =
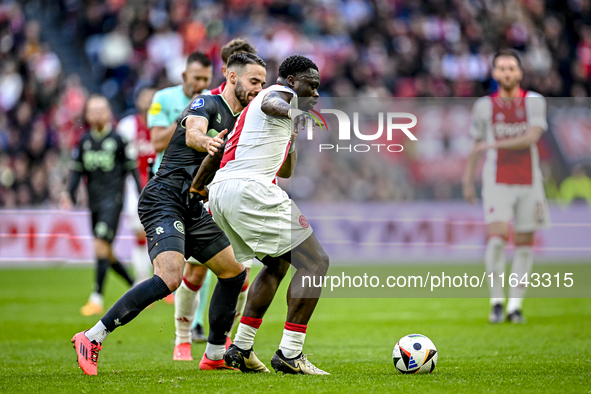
(576, 187)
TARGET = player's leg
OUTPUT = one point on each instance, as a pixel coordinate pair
(95, 303)
(523, 261)
(111, 216)
(197, 330)
(498, 203)
(494, 260)
(140, 259)
(243, 295)
(185, 305)
(531, 214)
(168, 273)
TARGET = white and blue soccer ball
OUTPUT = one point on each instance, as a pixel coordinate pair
(415, 353)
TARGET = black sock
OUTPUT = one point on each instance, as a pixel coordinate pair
(135, 301)
(102, 266)
(120, 269)
(222, 307)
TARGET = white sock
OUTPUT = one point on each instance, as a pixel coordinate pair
(97, 333)
(494, 260)
(186, 302)
(244, 338)
(523, 261)
(215, 352)
(239, 308)
(141, 262)
(96, 298)
(292, 343)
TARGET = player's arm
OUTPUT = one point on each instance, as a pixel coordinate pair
(531, 136)
(77, 170)
(161, 130)
(207, 169)
(477, 131)
(276, 103)
(161, 135)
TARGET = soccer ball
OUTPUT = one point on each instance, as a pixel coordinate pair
(415, 353)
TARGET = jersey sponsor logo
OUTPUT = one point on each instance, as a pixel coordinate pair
(103, 160)
(508, 130)
(179, 227)
(197, 103)
(155, 108)
(219, 118)
(303, 221)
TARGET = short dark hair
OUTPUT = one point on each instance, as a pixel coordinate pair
(241, 59)
(237, 45)
(199, 57)
(294, 65)
(507, 52)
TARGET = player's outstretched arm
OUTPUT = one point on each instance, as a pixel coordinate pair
(196, 135)
(277, 104)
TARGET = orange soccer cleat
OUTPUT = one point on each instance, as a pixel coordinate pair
(182, 352)
(87, 353)
(209, 365)
(92, 308)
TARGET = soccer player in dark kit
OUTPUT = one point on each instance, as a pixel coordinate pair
(103, 157)
(177, 225)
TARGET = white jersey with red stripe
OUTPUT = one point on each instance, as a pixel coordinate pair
(495, 118)
(258, 145)
(135, 131)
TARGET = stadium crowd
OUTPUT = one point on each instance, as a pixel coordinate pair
(382, 48)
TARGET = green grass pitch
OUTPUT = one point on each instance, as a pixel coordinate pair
(351, 338)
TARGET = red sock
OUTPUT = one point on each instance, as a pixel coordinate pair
(191, 285)
(254, 322)
(296, 327)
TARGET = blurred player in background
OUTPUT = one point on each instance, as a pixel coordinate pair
(104, 158)
(168, 104)
(135, 130)
(507, 125)
(237, 45)
(262, 221)
(177, 225)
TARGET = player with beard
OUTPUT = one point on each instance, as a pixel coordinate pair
(507, 125)
(177, 225)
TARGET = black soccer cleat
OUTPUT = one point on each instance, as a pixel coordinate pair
(244, 360)
(298, 365)
(516, 317)
(496, 314)
(197, 334)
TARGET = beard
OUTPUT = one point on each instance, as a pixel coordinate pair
(242, 94)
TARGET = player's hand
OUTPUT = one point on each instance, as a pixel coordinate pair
(300, 121)
(66, 202)
(469, 192)
(216, 142)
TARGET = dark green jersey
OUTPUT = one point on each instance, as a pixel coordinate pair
(103, 158)
(181, 160)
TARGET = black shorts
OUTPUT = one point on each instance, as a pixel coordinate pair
(105, 220)
(176, 222)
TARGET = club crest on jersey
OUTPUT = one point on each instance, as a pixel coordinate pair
(303, 221)
(197, 103)
(179, 227)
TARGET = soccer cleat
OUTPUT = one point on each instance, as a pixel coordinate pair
(209, 365)
(496, 314)
(298, 365)
(182, 352)
(197, 334)
(92, 308)
(87, 353)
(516, 317)
(244, 360)
(169, 299)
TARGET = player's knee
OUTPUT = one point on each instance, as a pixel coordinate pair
(524, 239)
(173, 282)
(321, 264)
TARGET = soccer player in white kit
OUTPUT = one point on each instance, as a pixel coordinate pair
(262, 221)
(507, 125)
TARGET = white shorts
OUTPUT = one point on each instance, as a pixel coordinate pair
(260, 219)
(130, 207)
(525, 204)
